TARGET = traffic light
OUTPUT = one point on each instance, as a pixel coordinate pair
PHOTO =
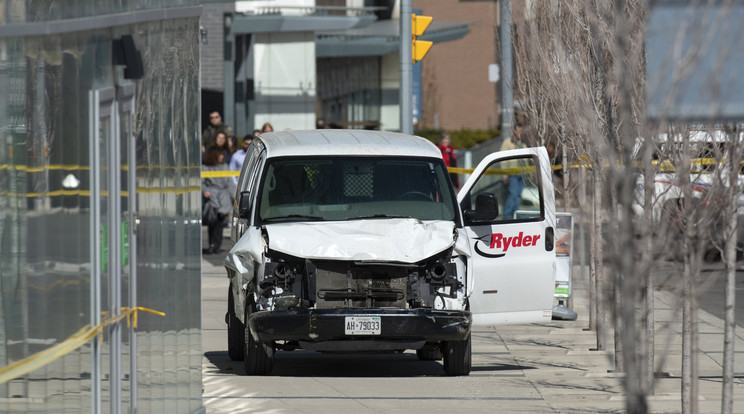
(418, 26)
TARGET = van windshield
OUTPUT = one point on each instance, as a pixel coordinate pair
(355, 188)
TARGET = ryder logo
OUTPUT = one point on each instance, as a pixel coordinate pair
(502, 243)
(498, 241)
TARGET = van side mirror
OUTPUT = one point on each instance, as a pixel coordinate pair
(244, 205)
(486, 208)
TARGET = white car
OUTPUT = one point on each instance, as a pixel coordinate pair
(669, 197)
(355, 241)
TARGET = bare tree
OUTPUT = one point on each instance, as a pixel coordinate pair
(736, 153)
(590, 82)
(587, 90)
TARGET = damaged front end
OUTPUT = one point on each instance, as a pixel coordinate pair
(317, 304)
(291, 282)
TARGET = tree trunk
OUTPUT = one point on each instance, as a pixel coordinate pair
(618, 299)
(628, 272)
(597, 258)
(564, 170)
(686, 338)
(694, 363)
(648, 232)
(592, 279)
(689, 388)
(727, 397)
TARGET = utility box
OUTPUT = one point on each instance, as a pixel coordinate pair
(563, 244)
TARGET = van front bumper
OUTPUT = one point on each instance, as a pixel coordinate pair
(319, 325)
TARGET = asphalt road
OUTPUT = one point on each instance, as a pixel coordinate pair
(710, 287)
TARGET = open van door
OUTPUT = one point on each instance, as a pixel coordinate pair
(511, 237)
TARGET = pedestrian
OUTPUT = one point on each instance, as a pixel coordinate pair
(236, 162)
(448, 155)
(556, 165)
(232, 144)
(220, 141)
(514, 182)
(215, 126)
(218, 195)
(267, 127)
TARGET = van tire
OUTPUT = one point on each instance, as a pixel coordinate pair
(235, 331)
(259, 357)
(457, 357)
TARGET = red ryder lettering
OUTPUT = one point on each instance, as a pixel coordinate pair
(500, 242)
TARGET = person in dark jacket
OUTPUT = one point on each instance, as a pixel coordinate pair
(215, 126)
(218, 195)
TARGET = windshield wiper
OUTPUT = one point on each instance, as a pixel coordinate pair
(374, 216)
(295, 216)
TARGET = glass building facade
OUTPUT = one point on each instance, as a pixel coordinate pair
(100, 203)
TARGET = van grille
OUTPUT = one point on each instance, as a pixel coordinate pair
(349, 285)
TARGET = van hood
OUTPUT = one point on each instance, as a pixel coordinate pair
(388, 240)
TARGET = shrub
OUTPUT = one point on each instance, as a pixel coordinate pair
(461, 138)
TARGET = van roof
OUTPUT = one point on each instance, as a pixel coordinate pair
(346, 142)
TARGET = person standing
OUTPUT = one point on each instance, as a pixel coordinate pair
(236, 162)
(232, 145)
(220, 141)
(267, 127)
(514, 182)
(448, 155)
(215, 126)
(218, 195)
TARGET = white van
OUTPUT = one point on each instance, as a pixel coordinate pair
(355, 241)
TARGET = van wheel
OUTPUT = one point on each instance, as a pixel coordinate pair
(259, 357)
(430, 352)
(235, 331)
(457, 357)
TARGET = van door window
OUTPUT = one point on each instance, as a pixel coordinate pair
(515, 182)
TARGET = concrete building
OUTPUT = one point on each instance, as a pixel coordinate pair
(290, 62)
(100, 206)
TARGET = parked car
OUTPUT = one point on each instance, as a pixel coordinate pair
(707, 152)
(355, 241)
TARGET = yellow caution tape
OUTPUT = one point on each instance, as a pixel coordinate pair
(104, 193)
(583, 162)
(223, 173)
(78, 339)
(665, 165)
(74, 167)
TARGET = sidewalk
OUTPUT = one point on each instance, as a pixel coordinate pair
(550, 367)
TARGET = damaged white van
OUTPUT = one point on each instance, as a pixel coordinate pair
(355, 241)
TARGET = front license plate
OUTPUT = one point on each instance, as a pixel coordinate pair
(363, 325)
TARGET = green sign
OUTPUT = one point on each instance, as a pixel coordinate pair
(561, 291)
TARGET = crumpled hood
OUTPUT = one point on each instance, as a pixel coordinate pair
(393, 240)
